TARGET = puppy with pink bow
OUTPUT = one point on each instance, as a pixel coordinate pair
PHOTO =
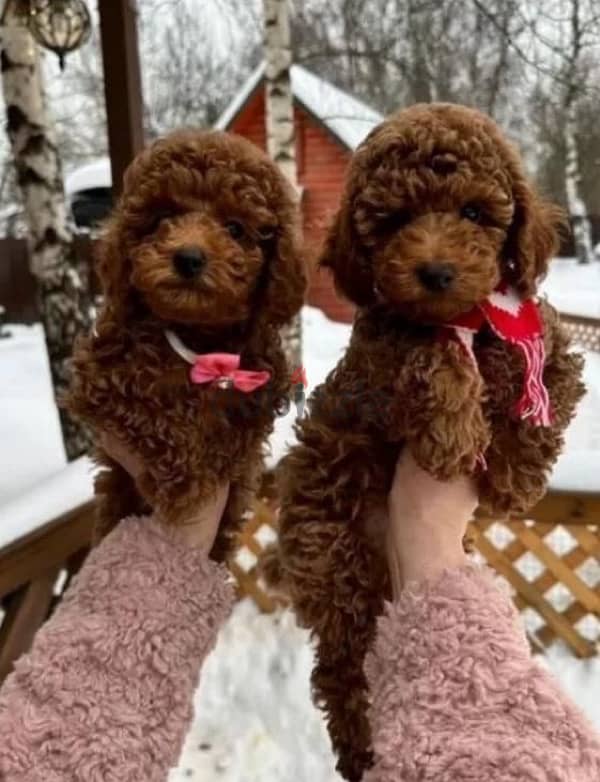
(201, 266)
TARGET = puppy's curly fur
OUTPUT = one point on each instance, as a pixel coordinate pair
(434, 184)
(220, 202)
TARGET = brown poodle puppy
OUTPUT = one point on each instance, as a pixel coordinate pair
(436, 211)
(200, 258)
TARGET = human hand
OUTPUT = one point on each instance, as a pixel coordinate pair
(199, 530)
(427, 523)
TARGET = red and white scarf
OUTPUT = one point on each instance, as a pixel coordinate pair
(518, 322)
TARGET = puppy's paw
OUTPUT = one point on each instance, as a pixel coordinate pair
(440, 412)
(452, 445)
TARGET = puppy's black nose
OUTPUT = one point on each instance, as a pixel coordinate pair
(436, 276)
(189, 262)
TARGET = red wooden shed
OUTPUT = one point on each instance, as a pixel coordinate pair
(330, 124)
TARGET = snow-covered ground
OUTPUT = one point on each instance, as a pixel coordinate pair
(323, 343)
(578, 467)
(574, 288)
(31, 446)
(255, 720)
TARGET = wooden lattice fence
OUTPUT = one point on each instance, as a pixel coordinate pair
(552, 566)
(554, 573)
(259, 532)
(584, 331)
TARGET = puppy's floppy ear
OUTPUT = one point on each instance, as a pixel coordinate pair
(112, 268)
(342, 253)
(285, 283)
(533, 238)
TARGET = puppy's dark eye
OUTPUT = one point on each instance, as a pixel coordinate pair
(471, 212)
(157, 218)
(394, 221)
(235, 229)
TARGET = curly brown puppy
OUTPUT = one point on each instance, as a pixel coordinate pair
(200, 266)
(435, 214)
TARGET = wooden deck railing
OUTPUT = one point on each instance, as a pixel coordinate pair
(33, 573)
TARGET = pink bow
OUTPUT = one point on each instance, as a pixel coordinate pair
(223, 370)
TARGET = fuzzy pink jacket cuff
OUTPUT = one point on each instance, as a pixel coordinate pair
(456, 696)
(106, 693)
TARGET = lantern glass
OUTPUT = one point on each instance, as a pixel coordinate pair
(59, 25)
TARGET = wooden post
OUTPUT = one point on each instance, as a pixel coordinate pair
(122, 84)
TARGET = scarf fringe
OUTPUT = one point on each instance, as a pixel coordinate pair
(534, 403)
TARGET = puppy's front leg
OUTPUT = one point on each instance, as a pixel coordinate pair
(517, 477)
(439, 410)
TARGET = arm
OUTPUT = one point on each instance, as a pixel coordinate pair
(106, 692)
(455, 693)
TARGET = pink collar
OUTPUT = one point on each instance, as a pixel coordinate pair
(220, 370)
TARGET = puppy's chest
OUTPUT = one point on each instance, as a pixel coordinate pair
(160, 379)
(372, 368)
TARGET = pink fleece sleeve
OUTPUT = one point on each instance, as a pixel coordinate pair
(457, 697)
(106, 693)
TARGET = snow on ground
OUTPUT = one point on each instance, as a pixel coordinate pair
(578, 467)
(580, 679)
(323, 344)
(255, 720)
(56, 494)
(574, 288)
(31, 446)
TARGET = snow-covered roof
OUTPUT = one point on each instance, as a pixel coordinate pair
(348, 118)
(94, 174)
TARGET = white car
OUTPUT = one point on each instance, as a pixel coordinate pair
(88, 189)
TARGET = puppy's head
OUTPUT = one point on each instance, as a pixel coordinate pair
(205, 232)
(436, 211)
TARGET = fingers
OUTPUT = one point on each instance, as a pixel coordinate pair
(199, 529)
(427, 522)
(421, 494)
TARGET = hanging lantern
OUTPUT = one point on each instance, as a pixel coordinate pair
(59, 25)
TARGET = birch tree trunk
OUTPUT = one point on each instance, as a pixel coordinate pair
(582, 229)
(573, 77)
(281, 137)
(62, 284)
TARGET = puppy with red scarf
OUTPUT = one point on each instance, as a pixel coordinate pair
(440, 241)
